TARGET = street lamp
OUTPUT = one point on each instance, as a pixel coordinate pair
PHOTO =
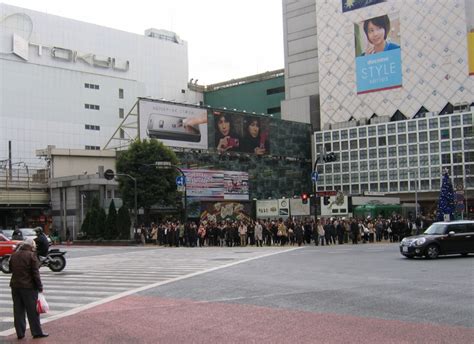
(169, 165)
(325, 157)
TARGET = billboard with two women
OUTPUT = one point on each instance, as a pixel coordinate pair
(241, 133)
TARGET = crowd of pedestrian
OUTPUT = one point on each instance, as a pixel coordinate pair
(323, 231)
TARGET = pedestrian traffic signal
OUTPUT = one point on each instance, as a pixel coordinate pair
(304, 198)
(326, 200)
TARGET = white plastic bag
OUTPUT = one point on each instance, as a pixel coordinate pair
(41, 304)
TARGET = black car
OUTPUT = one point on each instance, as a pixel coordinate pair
(440, 238)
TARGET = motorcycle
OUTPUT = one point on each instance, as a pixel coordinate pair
(55, 261)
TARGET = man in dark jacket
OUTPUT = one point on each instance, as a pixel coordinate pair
(42, 244)
(25, 285)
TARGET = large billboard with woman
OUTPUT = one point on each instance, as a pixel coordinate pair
(241, 133)
(378, 55)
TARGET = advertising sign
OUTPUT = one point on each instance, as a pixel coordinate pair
(351, 5)
(174, 125)
(267, 209)
(225, 211)
(378, 54)
(297, 208)
(470, 52)
(338, 205)
(217, 185)
(241, 133)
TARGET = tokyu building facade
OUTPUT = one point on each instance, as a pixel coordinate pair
(70, 84)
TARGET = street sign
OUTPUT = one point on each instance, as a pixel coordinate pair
(180, 181)
(314, 176)
(109, 174)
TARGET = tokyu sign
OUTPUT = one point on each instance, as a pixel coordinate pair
(21, 49)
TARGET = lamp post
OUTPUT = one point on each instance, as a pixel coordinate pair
(169, 165)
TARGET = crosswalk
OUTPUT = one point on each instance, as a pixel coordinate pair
(92, 279)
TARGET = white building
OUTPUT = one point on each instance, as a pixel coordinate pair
(69, 84)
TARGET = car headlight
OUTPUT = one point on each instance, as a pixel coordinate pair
(404, 241)
(13, 247)
(420, 241)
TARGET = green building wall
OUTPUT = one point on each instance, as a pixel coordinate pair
(263, 96)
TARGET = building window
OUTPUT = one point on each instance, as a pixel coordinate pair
(423, 136)
(457, 158)
(92, 147)
(355, 189)
(402, 127)
(344, 134)
(363, 166)
(412, 126)
(393, 186)
(362, 132)
(363, 143)
(353, 133)
(422, 125)
(354, 166)
(364, 177)
(354, 155)
(402, 162)
(337, 168)
(353, 144)
(455, 120)
(413, 150)
(92, 127)
(434, 159)
(121, 113)
(274, 110)
(383, 187)
(433, 123)
(391, 128)
(402, 139)
(444, 134)
(319, 137)
(412, 138)
(336, 147)
(445, 146)
(344, 145)
(423, 148)
(373, 153)
(344, 156)
(92, 107)
(121, 93)
(335, 135)
(275, 90)
(445, 159)
(434, 147)
(381, 129)
(363, 154)
(444, 122)
(372, 131)
(434, 135)
(91, 86)
(467, 119)
(383, 175)
(382, 141)
(382, 164)
(424, 160)
(402, 150)
(122, 133)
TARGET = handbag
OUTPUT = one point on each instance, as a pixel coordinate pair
(41, 304)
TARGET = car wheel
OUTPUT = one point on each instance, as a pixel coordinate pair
(432, 252)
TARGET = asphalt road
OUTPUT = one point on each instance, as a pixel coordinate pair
(331, 294)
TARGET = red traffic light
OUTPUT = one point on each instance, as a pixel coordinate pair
(304, 198)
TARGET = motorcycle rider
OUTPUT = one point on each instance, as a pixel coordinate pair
(42, 244)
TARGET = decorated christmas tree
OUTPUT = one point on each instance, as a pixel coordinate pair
(446, 202)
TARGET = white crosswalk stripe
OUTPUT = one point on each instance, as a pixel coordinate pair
(90, 279)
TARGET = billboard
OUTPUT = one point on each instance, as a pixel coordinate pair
(217, 185)
(174, 125)
(241, 133)
(378, 54)
(298, 208)
(225, 211)
(351, 5)
(338, 205)
(267, 209)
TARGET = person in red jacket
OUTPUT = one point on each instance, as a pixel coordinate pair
(25, 285)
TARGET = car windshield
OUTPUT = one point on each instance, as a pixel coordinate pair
(7, 232)
(28, 232)
(436, 228)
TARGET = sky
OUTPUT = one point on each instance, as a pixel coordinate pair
(226, 39)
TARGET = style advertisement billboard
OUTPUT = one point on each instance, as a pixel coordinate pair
(378, 54)
(241, 133)
(351, 5)
(217, 185)
(174, 125)
(338, 205)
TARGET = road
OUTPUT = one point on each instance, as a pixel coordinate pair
(331, 294)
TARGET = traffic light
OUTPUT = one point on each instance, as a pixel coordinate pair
(304, 198)
(326, 200)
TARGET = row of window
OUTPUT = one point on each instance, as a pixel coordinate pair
(443, 122)
(96, 87)
(91, 86)
(92, 147)
(394, 186)
(92, 106)
(92, 127)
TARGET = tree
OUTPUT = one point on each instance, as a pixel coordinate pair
(446, 203)
(154, 186)
(111, 222)
(123, 223)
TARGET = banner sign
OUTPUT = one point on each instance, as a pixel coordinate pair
(216, 184)
(283, 207)
(338, 205)
(297, 208)
(470, 52)
(225, 211)
(267, 208)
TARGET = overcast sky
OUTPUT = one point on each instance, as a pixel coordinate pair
(226, 39)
